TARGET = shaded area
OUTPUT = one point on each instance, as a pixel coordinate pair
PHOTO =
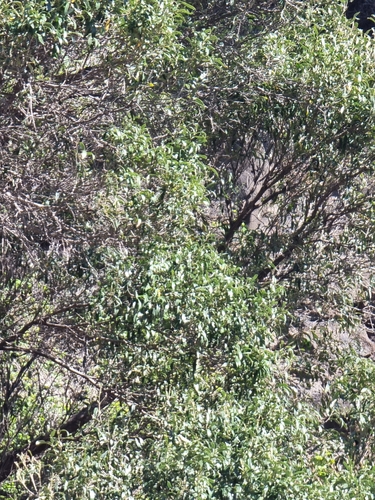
(362, 10)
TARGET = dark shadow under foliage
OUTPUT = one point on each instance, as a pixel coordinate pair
(362, 10)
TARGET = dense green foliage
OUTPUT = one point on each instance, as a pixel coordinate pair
(186, 200)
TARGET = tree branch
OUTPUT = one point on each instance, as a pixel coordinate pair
(42, 443)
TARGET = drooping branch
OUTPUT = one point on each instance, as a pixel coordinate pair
(42, 443)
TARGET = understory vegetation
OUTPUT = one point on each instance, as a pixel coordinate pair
(187, 250)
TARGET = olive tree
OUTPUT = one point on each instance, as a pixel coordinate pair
(177, 181)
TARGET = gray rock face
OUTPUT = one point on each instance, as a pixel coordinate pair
(327, 335)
